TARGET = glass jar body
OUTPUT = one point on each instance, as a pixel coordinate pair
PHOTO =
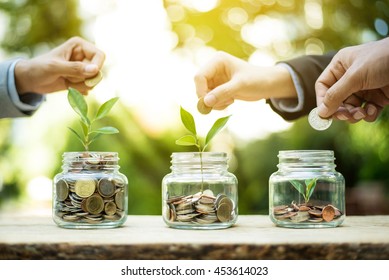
(90, 192)
(306, 191)
(199, 193)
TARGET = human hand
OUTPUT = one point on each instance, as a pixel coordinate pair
(355, 85)
(67, 65)
(226, 78)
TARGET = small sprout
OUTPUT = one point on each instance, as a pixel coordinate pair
(79, 105)
(193, 139)
(307, 190)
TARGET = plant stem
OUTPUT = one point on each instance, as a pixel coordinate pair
(201, 170)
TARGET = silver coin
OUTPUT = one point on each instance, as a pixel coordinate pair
(317, 122)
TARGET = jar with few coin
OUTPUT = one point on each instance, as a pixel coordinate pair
(200, 192)
(307, 191)
(90, 192)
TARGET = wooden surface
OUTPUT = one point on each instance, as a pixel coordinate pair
(147, 237)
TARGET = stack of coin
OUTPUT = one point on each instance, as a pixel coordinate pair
(201, 208)
(89, 162)
(306, 213)
(90, 200)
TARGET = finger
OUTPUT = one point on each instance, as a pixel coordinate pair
(75, 69)
(337, 93)
(372, 111)
(89, 51)
(358, 113)
(220, 95)
(224, 105)
(201, 85)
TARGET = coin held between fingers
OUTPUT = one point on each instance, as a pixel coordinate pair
(91, 82)
(202, 108)
(317, 122)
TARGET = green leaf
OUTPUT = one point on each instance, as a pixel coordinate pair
(311, 184)
(298, 186)
(85, 128)
(187, 140)
(77, 135)
(188, 121)
(94, 138)
(217, 126)
(105, 108)
(78, 103)
(106, 130)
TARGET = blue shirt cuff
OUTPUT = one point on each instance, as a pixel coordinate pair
(27, 105)
(290, 105)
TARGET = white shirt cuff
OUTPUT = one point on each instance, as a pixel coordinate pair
(14, 95)
(290, 105)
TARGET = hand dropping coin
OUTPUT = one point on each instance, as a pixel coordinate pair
(317, 122)
(202, 108)
(91, 82)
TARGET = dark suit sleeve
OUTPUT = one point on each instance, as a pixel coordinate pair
(308, 69)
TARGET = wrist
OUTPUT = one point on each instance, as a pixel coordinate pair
(284, 86)
(22, 77)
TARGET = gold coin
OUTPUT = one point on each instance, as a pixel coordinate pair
(62, 190)
(85, 187)
(106, 187)
(94, 204)
(110, 208)
(119, 200)
(91, 82)
(202, 108)
(224, 212)
(328, 213)
(227, 201)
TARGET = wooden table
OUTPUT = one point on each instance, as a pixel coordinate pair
(148, 238)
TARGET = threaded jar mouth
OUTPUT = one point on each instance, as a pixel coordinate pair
(198, 160)
(315, 159)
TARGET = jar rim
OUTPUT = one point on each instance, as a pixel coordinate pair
(299, 153)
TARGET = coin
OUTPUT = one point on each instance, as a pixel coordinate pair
(300, 217)
(119, 200)
(85, 187)
(94, 204)
(224, 212)
(202, 108)
(62, 190)
(110, 208)
(227, 201)
(106, 187)
(91, 82)
(328, 213)
(317, 122)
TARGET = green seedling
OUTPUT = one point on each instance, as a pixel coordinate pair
(193, 139)
(307, 190)
(89, 134)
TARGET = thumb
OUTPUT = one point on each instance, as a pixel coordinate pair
(337, 93)
(75, 69)
(220, 94)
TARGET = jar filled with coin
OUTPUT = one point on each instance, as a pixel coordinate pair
(199, 193)
(90, 192)
(307, 191)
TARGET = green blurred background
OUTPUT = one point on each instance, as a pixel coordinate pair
(153, 51)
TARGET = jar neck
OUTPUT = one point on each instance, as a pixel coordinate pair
(205, 162)
(90, 161)
(306, 160)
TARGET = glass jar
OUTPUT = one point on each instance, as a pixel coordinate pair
(306, 191)
(90, 192)
(199, 193)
